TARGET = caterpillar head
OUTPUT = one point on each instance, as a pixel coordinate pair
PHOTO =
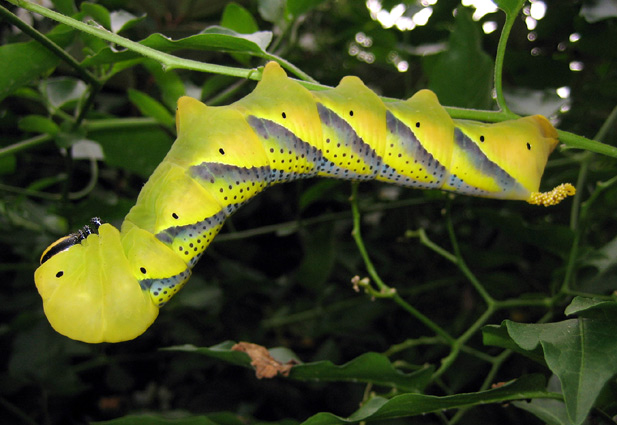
(98, 287)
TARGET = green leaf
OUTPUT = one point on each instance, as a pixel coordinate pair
(369, 367)
(581, 352)
(23, 63)
(62, 91)
(511, 7)
(212, 39)
(593, 308)
(8, 164)
(38, 124)
(551, 412)
(406, 405)
(121, 20)
(150, 107)
(272, 10)
(66, 7)
(168, 82)
(98, 13)
(138, 150)
(498, 336)
(238, 19)
(462, 75)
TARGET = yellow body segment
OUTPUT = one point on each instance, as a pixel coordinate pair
(436, 127)
(109, 286)
(429, 123)
(285, 102)
(177, 198)
(364, 112)
(526, 143)
(204, 130)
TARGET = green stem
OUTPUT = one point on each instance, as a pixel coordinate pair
(460, 262)
(25, 144)
(500, 55)
(384, 290)
(94, 173)
(168, 61)
(448, 361)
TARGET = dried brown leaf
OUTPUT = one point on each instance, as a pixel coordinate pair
(265, 365)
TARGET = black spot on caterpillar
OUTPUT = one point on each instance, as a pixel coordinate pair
(224, 156)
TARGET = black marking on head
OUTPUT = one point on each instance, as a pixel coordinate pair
(62, 245)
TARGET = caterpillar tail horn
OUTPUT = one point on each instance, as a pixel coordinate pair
(552, 197)
(94, 288)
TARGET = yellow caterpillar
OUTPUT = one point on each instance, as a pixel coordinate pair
(102, 284)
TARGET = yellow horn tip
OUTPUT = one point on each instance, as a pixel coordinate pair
(552, 197)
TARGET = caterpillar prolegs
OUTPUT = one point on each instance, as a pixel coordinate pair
(108, 284)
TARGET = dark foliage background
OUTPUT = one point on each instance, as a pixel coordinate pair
(280, 273)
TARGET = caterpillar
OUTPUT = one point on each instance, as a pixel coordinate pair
(106, 285)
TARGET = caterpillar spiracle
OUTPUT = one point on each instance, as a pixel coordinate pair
(107, 285)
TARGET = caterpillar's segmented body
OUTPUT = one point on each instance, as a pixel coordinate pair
(109, 286)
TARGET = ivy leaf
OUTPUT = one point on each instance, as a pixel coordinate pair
(593, 308)
(378, 409)
(581, 352)
(212, 38)
(369, 367)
